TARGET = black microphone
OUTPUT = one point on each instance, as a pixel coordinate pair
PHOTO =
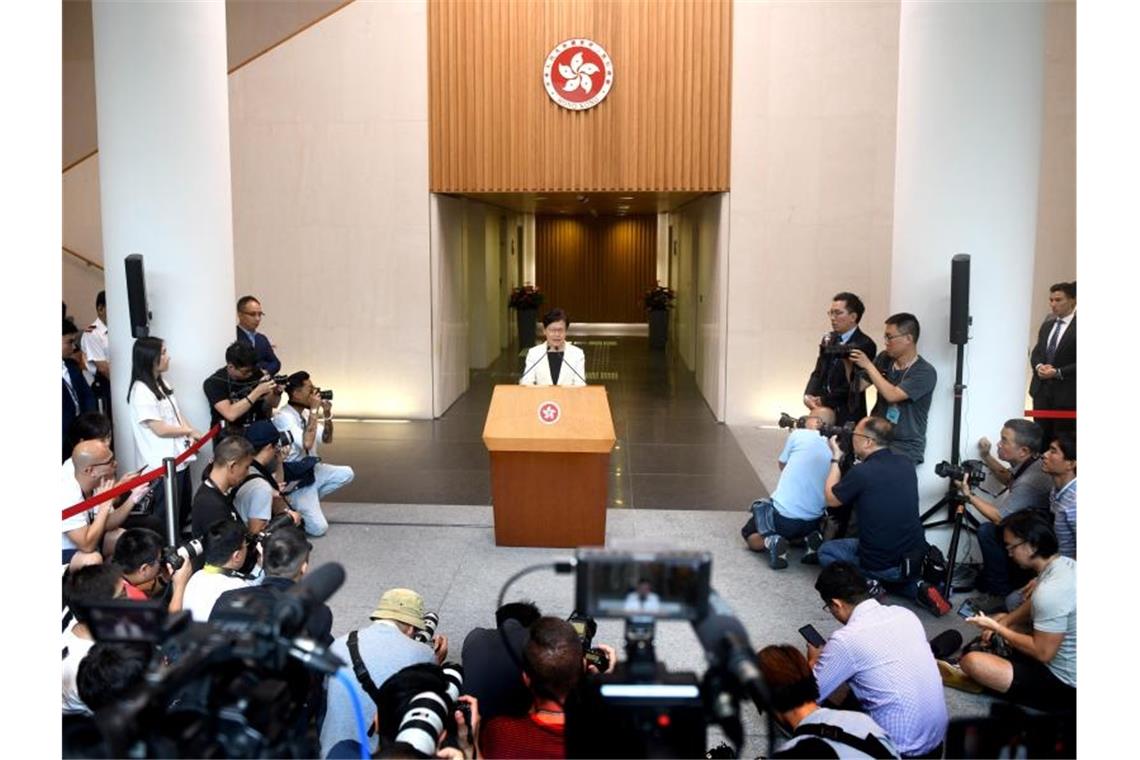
(294, 607)
(726, 645)
(528, 369)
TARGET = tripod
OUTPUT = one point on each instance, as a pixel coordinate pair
(954, 501)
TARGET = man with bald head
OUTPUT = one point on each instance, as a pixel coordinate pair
(797, 505)
(93, 473)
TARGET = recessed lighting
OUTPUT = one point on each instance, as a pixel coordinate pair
(541, 198)
(626, 198)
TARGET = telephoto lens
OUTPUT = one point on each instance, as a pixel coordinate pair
(423, 722)
(427, 633)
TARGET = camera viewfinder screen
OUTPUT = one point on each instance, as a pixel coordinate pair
(664, 585)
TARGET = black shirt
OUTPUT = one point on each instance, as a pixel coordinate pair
(491, 675)
(319, 624)
(221, 387)
(555, 358)
(884, 488)
(211, 505)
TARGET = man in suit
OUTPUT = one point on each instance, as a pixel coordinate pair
(555, 362)
(249, 316)
(77, 395)
(830, 383)
(1054, 359)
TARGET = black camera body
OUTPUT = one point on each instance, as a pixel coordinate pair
(586, 627)
(280, 379)
(971, 471)
(841, 350)
(789, 422)
(842, 432)
(189, 550)
(326, 395)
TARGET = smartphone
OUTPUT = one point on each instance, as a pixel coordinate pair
(811, 635)
(968, 609)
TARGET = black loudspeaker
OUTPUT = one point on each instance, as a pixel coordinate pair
(136, 296)
(960, 299)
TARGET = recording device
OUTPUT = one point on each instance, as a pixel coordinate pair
(670, 584)
(129, 620)
(968, 609)
(830, 346)
(278, 379)
(972, 471)
(285, 438)
(427, 633)
(586, 627)
(275, 523)
(326, 395)
(190, 549)
(792, 423)
(812, 636)
(842, 432)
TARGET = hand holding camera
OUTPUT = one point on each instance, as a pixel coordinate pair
(860, 359)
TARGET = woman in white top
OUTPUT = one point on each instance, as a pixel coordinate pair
(160, 430)
(557, 361)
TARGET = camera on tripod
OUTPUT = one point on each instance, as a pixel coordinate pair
(971, 471)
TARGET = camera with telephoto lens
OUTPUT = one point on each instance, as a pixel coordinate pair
(275, 523)
(586, 627)
(842, 432)
(790, 422)
(842, 350)
(427, 633)
(326, 395)
(971, 471)
(280, 379)
(190, 549)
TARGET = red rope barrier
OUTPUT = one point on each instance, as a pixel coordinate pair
(142, 479)
(1052, 414)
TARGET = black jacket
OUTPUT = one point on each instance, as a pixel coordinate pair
(1062, 393)
(829, 381)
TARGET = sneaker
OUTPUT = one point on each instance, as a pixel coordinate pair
(875, 590)
(956, 678)
(777, 552)
(811, 554)
(930, 598)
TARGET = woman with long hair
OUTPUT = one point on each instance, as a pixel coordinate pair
(159, 429)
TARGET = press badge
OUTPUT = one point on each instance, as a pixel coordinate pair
(893, 414)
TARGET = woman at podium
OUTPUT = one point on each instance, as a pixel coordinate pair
(555, 362)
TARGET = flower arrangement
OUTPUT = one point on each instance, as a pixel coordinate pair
(526, 297)
(659, 298)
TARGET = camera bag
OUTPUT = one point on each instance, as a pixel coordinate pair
(302, 472)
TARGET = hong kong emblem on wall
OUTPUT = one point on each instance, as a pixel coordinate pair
(578, 74)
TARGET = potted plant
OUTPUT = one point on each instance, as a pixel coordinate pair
(525, 300)
(658, 301)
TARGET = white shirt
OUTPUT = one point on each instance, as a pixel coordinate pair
(70, 494)
(77, 649)
(288, 419)
(203, 590)
(96, 347)
(536, 370)
(151, 449)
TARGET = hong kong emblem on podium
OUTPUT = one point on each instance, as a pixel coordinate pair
(578, 74)
(549, 413)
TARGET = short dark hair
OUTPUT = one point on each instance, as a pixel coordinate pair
(906, 323)
(89, 426)
(1067, 443)
(223, 538)
(244, 301)
(241, 355)
(555, 315)
(404, 686)
(842, 580)
(110, 671)
(135, 548)
(232, 448)
(524, 612)
(1068, 288)
(101, 299)
(880, 430)
(1026, 433)
(788, 675)
(854, 304)
(295, 381)
(552, 658)
(91, 585)
(1034, 529)
(285, 551)
(69, 326)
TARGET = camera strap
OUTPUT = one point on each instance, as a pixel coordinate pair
(361, 671)
(868, 744)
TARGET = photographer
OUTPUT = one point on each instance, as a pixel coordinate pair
(905, 382)
(491, 673)
(307, 417)
(238, 393)
(258, 497)
(86, 533)
(233, 455)
(380, 650)
(882, 654)
(1027, 487)
(816, 731)
(833, 383)
(883, 490)
(138, 554)
(86, 586)
(225, 554)
(797, 505)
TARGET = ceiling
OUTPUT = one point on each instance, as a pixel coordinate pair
(588, 203)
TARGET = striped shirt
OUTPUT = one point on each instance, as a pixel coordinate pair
(1063, 502)
(883, 654)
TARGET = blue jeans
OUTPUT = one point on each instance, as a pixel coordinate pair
(770, 522)
(847, 550)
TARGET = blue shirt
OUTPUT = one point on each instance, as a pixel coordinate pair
(1063, 502)
(806, 458)
(884, 490)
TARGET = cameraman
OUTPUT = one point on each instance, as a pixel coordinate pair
(1027, 487)
(833, 382)
(138, 553)
(239, 392)
(225, 554)
(491, 673)
(258, 497)
(233, 456)
(797, 505)
(306, 417)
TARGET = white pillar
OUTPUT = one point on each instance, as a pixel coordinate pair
(966, 172)
(164, 162)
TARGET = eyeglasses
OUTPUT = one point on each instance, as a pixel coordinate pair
(1010, 547)
(864, 435)
(254, 313)
(889, 338)
(836, 313)
(826, 607)
(100, 464)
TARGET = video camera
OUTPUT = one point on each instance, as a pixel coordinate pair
(971, 471)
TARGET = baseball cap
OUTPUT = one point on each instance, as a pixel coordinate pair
(261, 433)
(402, 605)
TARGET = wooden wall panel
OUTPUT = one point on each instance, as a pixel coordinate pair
(664, 125)
(596, 269)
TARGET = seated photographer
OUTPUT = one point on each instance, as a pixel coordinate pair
(796, 506)
(88, 533)
(138, 554)
(1042, 633)
(383, 648)
(86, 586)
(491, 674)
(306, 418)
(258, 497)
(214, 501)
(882, 654)
(225, 554)
(883, 491)
(817, 732)
(238, 392)
(1027, 486)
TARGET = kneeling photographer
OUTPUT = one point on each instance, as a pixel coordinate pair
(258, 497)
(226, 551)
(146, 573)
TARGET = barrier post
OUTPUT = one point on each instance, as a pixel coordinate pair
(168, 464)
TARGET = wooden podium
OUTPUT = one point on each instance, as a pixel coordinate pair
(550, 453)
